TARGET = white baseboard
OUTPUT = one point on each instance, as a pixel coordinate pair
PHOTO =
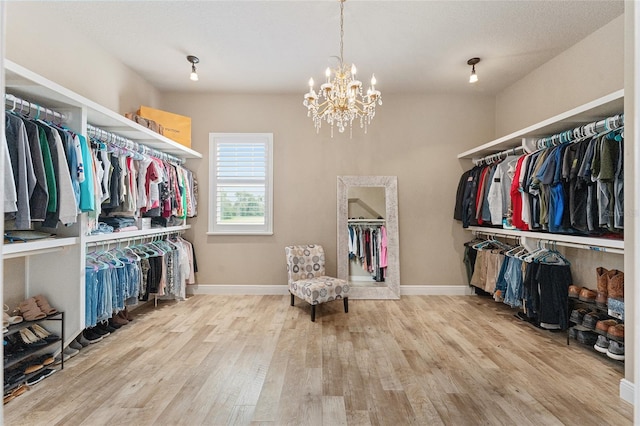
(627, 391)
(435, 290)
(274, 289)
(244, 289)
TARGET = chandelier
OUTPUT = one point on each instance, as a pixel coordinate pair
(340, 100)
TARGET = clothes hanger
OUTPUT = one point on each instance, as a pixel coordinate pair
(553, 257)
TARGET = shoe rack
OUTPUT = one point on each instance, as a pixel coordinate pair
(55, 266)
(576, 325)
(20, 353)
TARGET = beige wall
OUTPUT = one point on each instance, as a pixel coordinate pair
(414, 138)
(592, 68)
(72, 60)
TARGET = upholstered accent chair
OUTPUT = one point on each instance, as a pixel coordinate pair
(307, 279)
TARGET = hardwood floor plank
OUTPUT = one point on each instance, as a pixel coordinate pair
(255, 360)
(333, 411)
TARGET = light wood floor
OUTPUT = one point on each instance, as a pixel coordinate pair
(254, 360)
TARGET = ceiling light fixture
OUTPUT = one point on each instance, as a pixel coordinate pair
(340, 100)
(473, 77)
(193, 60)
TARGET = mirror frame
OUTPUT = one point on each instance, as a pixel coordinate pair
(392, 280)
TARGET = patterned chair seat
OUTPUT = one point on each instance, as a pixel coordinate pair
(305, 269)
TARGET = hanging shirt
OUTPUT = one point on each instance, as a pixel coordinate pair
(10, 193)
(22, 167)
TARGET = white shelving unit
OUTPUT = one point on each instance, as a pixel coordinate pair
(598, 109)
(55, 266)
(29, 85)
(31, 248)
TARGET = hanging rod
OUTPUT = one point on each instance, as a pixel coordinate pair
(14, 100)
(128, 144)
(585, 131)
(585, 247)
(523, 241)
(134, 238)
(365, 221)
(498, 155)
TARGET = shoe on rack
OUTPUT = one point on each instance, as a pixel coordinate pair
(13, 346)
(574, 291)
(32, 367)
(602, 282)
(43, 333)
(616, 332)
(30, 310)
(30, 339)
(16, 393)
(602, 344)
(587, 295)
(591, 319)
(573, 333)
(616, 350)
(615, 284)
(602, 326)
(577, 315)
(587, 337)
(46, 359)
(44, 305)
(40, 376)
(13, 378)
(9, 319)
(91, 336)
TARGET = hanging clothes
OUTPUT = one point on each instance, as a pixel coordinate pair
(571, 188)
(368, 247)
(121, 277)
(537, 285)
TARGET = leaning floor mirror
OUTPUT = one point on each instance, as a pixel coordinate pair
(368, 248)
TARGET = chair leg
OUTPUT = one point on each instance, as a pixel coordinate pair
(291, 299)
(346, 305)
(313, 313)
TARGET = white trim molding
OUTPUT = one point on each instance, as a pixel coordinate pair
(435, 290)
(245, 289)
(627, 391)
(283, 289)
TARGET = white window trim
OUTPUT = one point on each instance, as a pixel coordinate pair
(213, 227)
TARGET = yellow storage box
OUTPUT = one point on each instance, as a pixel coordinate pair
(175, 127)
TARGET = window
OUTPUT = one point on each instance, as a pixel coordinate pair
(241, 176)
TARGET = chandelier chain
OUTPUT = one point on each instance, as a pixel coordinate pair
(342, 32)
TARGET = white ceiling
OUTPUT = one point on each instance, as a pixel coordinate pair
(275, 46)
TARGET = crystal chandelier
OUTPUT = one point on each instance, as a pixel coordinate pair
(340, 100)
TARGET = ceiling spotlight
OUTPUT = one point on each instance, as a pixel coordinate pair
(193, 60)
(473, 77)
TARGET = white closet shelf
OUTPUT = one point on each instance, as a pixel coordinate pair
(33, 87)
(134, 234)
(598, 109)
(11, 250)
(593, 242)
